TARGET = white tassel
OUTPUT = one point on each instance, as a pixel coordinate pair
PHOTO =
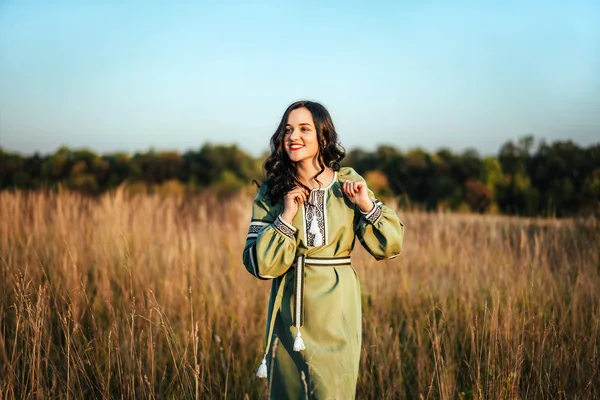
(314, 230)
(318, 240)
(314, 226)
(262, 370)
(299, 343)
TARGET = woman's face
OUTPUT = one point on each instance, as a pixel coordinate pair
(300, 140)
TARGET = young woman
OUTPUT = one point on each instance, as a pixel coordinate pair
(305, 219)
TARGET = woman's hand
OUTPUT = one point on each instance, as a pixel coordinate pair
(290, 203)
(358, 194)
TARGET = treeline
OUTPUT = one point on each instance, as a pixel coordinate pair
(222, 168)
(525, 178)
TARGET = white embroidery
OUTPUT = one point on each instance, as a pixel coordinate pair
(315, 219)
(255, 228)
(373, 215)
(285, 228)
(316, 207)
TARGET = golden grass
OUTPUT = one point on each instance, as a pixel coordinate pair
(146, 297)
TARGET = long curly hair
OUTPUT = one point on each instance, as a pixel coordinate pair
(280, 171)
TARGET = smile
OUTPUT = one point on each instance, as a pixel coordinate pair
(294, 147)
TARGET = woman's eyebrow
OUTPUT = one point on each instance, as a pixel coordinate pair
(302, 123)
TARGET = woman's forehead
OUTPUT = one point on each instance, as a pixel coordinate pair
(300, 116)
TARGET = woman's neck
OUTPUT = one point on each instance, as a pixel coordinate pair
(307, 171)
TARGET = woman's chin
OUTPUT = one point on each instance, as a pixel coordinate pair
(299, 155)
(294, 157)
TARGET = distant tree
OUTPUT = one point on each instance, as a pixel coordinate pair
(378, 183)
(478, 196)
(445, 191)
(590, 194)
(559, 172)
(10, 165)
(207, 166)
(417, 175)
(392, 163)
(516, 195)
(362, 160)
(56, 167)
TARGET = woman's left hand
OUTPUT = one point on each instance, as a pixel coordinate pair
(358, 194)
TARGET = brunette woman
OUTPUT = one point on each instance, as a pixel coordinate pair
(305, 219)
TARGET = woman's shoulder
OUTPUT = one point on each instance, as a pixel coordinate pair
(348, 174)
(263, 190)
(263, 193)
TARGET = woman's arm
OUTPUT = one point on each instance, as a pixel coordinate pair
(380, 231)
(270, 244)
(377, 226)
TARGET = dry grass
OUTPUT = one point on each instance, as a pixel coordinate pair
(146, 297)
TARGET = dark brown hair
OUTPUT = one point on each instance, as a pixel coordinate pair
(281, 171)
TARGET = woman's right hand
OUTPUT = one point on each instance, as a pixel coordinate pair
(291, 201)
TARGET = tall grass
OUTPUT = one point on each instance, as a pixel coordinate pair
(146, 297)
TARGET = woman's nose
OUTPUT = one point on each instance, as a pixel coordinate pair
(294, 134)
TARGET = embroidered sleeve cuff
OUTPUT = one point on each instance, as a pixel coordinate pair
(368, 212)
(374, 214)
(283, 227)
(255, 228)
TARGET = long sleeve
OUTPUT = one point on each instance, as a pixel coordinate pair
(380, 231)
(270, 245)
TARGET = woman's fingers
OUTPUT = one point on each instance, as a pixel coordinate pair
(298, 195)
(352, 188)
(359, 186)
(348, 188)
(301, 197)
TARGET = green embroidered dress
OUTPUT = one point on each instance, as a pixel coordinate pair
(315, 288)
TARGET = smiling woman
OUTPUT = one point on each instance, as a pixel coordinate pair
(305, 219)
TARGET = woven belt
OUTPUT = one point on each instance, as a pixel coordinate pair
(325, 261)
(298, 317)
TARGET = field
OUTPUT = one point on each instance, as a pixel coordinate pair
(146, 297)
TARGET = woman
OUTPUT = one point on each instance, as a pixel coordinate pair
(304, 222)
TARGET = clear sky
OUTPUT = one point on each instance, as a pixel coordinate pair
(127, 76)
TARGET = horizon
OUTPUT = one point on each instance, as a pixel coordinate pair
(121, 77)
(537, 142)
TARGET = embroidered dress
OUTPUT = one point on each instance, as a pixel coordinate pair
(315, 289)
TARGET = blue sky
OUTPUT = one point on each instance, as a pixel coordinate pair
(127, 76)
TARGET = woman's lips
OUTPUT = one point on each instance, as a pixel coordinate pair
(295, 147)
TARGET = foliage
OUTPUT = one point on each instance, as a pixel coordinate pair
(559, 179)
